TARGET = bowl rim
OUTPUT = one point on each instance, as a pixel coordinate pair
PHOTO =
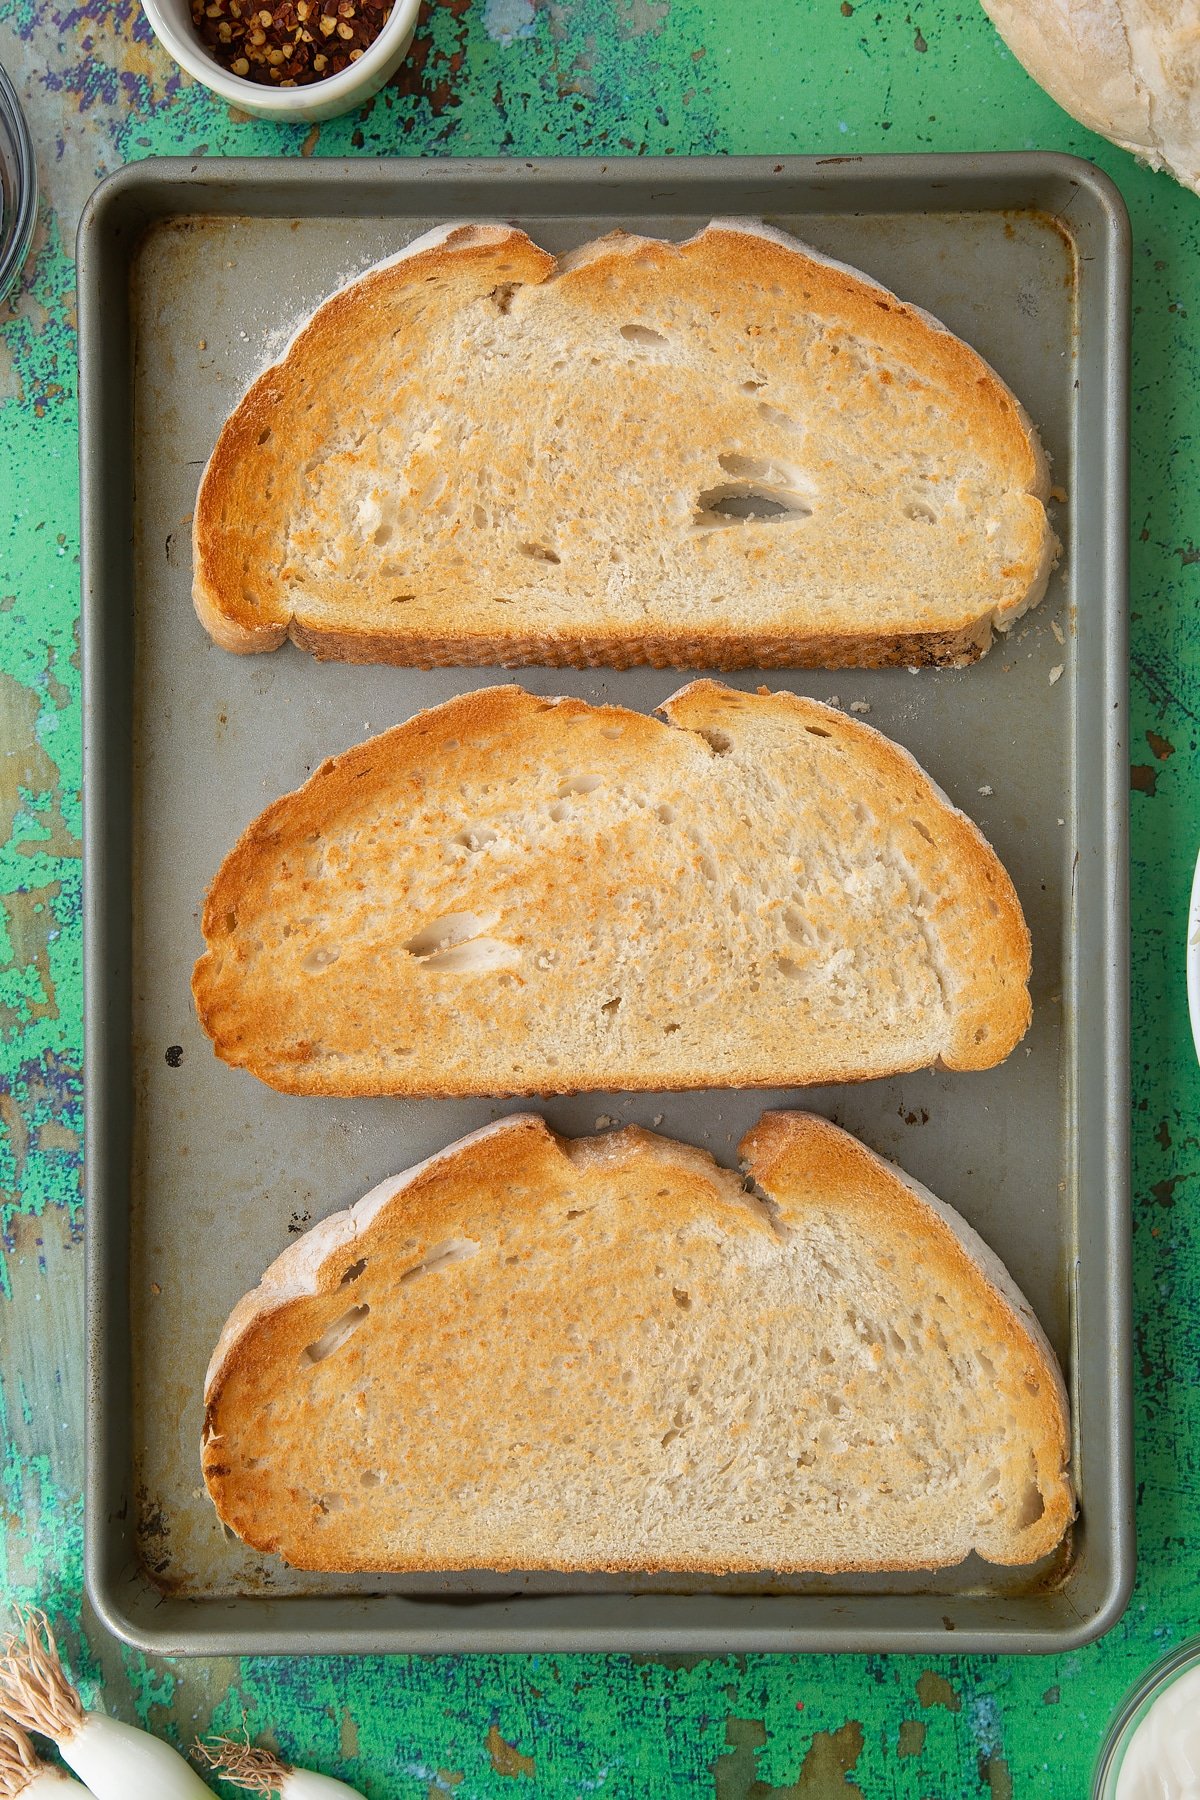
(195, 59)
(14, 245)
(1130, 1713)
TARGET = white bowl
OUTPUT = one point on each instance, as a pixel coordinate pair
(1193, 958)
(171, 21)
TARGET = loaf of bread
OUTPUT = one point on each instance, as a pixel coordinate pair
(509, 894)
(820, 1367)
(725, 453)
(1127, 68)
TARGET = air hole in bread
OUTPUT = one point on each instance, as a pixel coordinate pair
(558, 813)
(719, 742)
(794, 924)
(320, 958)
(1032, 1507)
(540, 553)
(922, 830)
(642, 334)
(981, 1032)
(773, 415)
(751, 387)
(682, 1299)
(445, 933)
(264, 436)
(383, 533)
(708, 868)
(610, 1006)
(742, 503)
(670, 1030)
(370, 1478)
(353, 1272)
(817, 731)
(920, 513)
(249, 598)
(339, 1333)
(665, 814)
(454, 1250)
(579, 784)
(402, 599)
(475, 837)
(788, 968)
(479, 956)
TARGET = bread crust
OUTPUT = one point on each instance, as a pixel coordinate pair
(386, 816)
(251, 592)
(497, 1197)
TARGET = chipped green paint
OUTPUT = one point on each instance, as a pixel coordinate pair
(565, 77)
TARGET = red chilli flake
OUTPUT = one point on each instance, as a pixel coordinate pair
(292, 43)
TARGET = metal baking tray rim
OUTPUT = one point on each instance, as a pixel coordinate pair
(108, 230)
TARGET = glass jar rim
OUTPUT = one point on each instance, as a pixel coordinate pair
(1133, 1707)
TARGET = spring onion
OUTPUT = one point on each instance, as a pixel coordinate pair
(23, 1776)
(116, 1761)
(260, 1771)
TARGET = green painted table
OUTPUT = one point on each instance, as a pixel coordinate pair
(567, 77)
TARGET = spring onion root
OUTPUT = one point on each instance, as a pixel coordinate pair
(116, 1761)
(23, 1775)
(260, 1771)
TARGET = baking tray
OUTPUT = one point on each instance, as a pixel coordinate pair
(192, 275)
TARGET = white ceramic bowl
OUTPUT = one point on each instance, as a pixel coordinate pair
(171, 21)
(1193, 958)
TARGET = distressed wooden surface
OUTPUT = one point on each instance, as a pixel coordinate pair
(565, 77)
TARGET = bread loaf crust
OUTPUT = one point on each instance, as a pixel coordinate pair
(381, 494)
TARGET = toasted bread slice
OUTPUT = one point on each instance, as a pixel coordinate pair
(724, 453)
(837, 1375)
(510, 894)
